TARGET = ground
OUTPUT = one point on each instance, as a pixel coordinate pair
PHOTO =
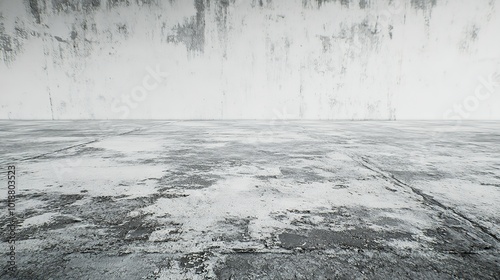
(253, 199)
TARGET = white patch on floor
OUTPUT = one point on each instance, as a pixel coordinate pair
(38, 220)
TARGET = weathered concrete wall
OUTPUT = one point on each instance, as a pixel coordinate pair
(231, 59)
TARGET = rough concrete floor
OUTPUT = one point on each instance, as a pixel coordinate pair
(254, 200)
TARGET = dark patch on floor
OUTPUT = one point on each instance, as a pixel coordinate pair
(360, 238)
(459, 240)
(234, 229)
(184, 180)
(301, 175)
(136, 228)
(195, 261)
(366, 264)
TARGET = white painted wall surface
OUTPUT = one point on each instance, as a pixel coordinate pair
(244, 59)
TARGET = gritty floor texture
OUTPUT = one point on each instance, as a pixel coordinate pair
(254, 200)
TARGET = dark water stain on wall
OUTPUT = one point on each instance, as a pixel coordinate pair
(90, 5)
(5, 41)
(192, 31)
(122, 29)
(470, 37)
(59, 6)
(426, 7)
(423, 4)
(343, 3)
(11, 45)
(326, 42)
(149, 2)
(363, 4)
(64, 6)
(473, 31)
(369, 32)
(259, 3)
(8, 48)
(221, 19)
(35, 11)
(114, 3)
(59, 39)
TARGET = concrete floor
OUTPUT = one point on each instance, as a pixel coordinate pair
(254, 200)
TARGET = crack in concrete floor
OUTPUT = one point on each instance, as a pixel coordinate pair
(427, 198)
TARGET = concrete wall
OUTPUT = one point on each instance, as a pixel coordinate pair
(250, 59)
